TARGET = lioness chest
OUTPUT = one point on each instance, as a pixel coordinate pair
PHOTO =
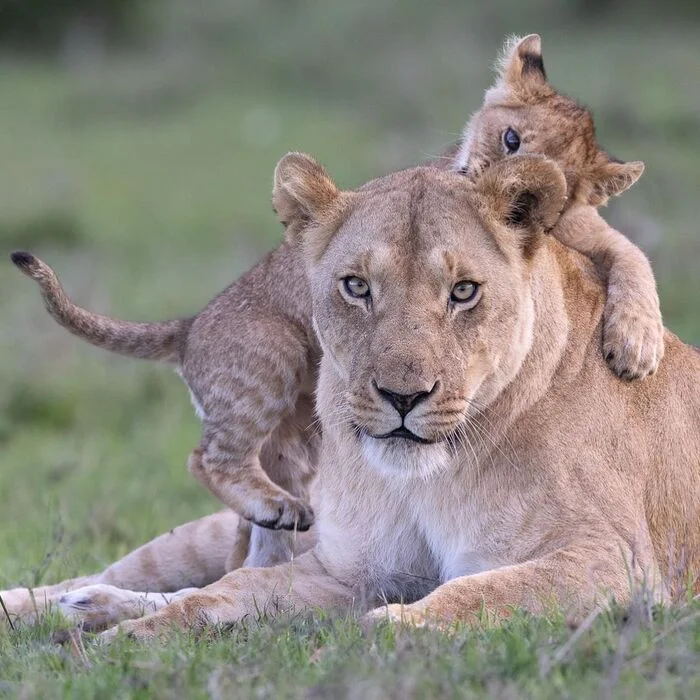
(465, 532)
(439, 529)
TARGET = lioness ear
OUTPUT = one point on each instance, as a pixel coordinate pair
(524, 194)
(614, 178)
(521, 65)
(302, 191)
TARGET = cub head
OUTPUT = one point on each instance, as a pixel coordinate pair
(523, 114)
(422, 300)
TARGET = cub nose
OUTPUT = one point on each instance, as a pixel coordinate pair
(404, 403)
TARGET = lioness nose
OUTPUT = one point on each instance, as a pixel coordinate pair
(404, 403)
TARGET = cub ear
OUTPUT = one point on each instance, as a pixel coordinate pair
(613, 178)
(523, 194)
(521, 65)
(302, 191)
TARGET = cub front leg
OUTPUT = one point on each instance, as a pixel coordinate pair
(299, 585)
(574, 580)
(633, 329)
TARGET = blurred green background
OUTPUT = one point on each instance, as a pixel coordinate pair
(138, 142)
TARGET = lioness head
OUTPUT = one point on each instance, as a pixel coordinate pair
(421, 295)
(522, 113)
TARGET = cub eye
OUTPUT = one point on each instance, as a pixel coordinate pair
(511, 140)
(465, 292)
(356, 287)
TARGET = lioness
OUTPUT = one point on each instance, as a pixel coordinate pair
(249, 356)
(476, 450)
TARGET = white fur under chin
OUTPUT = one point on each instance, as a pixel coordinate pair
(400, 458)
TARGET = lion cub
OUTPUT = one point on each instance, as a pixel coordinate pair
(249, 359)
(522, 113)
(249, 356)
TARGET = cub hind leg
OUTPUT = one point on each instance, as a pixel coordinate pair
(289, 458)
(239, 481)
(257, 545)
(244, 402)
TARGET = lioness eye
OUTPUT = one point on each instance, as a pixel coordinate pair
(464, 292)
(356, 287)
(511, 140)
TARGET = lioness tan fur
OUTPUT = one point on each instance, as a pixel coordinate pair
(249, 356)
(476, 450)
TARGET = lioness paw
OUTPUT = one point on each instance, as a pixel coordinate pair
(152, 628)
(128, 629)
(100, 606)
(633, 337)
(398, 614)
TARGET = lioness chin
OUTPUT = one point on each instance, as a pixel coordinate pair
(449, 320)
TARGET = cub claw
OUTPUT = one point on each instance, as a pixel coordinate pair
(293, 515)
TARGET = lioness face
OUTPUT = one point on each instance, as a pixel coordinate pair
(419, 311)
(522, 113)
(421, 296)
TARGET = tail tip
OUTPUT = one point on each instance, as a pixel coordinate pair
(22, 259)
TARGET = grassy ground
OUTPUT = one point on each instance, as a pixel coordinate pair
(633, 655)
(145, 181)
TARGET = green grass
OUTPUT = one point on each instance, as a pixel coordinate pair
(639, 654)
(145, 182)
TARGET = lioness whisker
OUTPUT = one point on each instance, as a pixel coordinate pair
(500, 432)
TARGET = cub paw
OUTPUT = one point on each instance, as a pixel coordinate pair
(280, 511)
(633, 344)
(283, 514)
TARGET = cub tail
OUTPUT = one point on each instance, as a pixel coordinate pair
(150, 341)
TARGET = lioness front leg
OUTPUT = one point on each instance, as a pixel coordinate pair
(100, 606)
(572, 579)
(192, 555)
(299, 585)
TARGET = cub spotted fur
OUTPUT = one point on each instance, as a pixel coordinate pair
(249, 356)
(456, 472)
